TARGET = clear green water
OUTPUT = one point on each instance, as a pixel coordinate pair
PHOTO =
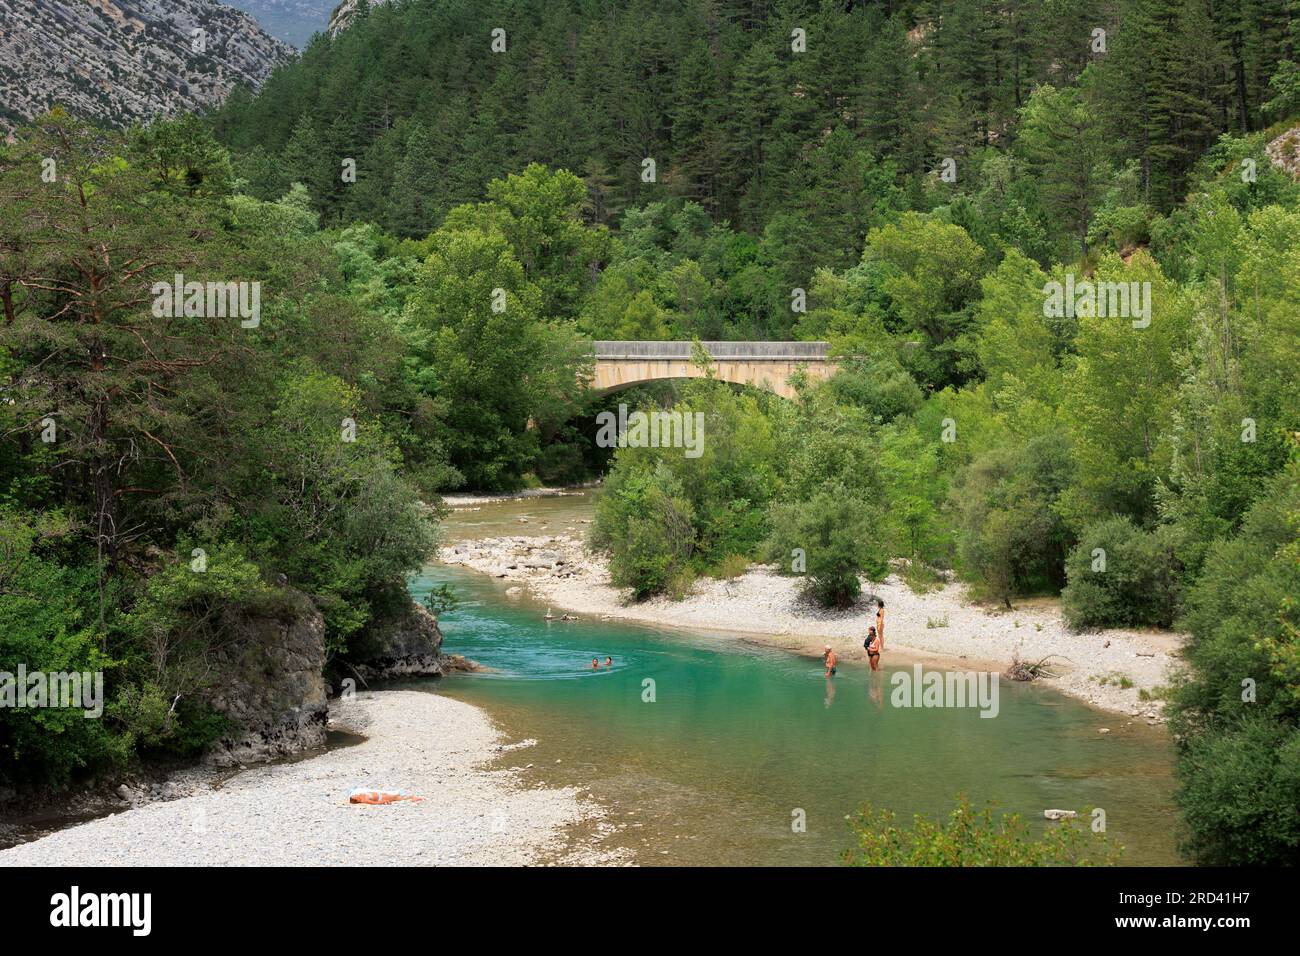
(741, 736)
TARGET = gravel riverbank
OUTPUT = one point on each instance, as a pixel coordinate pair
(1108, 669)
(298, 813)
(456, 500)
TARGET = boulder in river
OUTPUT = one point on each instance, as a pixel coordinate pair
(406, 645)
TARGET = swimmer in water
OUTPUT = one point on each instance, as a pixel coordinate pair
(595, 663)
(609, 662)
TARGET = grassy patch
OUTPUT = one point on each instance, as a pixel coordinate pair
(921, 578)
(732, 566)
(1113, 678)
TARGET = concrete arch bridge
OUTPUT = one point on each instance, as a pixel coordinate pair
(621, 365)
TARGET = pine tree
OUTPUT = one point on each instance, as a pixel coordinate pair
(414, 198)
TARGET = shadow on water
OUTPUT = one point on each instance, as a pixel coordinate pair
(708, 748)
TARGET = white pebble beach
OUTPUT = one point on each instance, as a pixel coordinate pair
(298, 814)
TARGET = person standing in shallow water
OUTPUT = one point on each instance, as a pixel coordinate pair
(872, 647)
(831, 660)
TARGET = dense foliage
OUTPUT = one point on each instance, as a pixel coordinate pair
(926, 174)
(166, 477)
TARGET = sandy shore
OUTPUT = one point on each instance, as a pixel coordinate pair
(1108, 669)
(298, 813)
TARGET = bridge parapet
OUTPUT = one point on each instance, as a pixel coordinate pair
(720, 351)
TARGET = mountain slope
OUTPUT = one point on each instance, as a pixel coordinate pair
(345, 12)
(118, 61)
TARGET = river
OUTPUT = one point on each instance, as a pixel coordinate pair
(741, 742)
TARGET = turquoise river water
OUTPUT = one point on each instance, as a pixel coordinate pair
(742, 739)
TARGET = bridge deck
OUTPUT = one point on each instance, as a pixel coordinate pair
(720, 351)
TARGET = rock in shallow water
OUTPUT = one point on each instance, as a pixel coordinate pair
(1060, 814)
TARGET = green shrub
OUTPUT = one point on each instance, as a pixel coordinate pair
(662, 511)
(732, 566)
(835, 535)
(920, 578)
(1122, 576)
(973, 838)
(646, 524)
(1012, 541)
(47, 623)
(1239, 794)
(1236, 713)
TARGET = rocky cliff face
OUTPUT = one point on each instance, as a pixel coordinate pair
(121, 61)
(273, 692)
(1284, 151)
(407, 646)
(345, 11)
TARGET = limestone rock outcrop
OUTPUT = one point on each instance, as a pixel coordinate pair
(122, 61)
(273, 690)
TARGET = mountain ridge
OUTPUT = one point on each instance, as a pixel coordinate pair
(118, 62)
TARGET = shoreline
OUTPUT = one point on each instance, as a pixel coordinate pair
(297, 813)
(1106, 669)
(460, 501)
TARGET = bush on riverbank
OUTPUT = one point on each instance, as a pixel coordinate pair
(829, 541)
(1122, 576)
(664, 517)
(971, 837)
(1236, 713)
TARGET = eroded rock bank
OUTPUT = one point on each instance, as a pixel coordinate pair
(407, 645)
(278, 680)
(1115, 670)
(274, 691)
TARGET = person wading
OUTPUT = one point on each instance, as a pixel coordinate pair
(872, 646)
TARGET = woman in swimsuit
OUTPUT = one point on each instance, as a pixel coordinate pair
(872, 644)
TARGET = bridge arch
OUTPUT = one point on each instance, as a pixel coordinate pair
(621, 365)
